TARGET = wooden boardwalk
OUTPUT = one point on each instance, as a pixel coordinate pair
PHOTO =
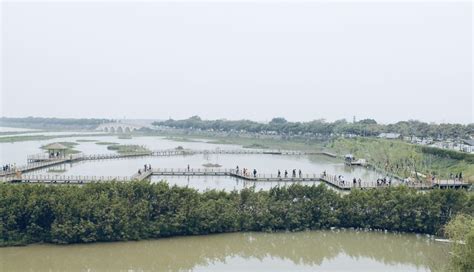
(42, 161)
(231, 173)
(63, 179)
(39, 161)
(328, 179)
(33, 166)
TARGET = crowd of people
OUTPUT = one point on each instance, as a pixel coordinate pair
(8, 167)
(245, 172)
(146, 167)
(384, 181)
(456, 177)
(54, 155)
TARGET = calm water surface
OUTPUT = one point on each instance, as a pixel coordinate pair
(17, 152)
(300, 251)
(265, 164)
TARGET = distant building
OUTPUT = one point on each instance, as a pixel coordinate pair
(467, 146)
(389, 135)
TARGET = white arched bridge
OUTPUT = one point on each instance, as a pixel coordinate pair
(118, 127)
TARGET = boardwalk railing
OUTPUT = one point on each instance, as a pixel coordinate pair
(231, 172)
(37, 161)
(332, 180)
(32, 166)
(64, 179)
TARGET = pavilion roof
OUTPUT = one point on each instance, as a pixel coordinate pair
(56, 146)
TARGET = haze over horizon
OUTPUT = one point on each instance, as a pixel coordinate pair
(253, 60)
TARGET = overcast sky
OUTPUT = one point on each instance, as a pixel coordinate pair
(253, 60)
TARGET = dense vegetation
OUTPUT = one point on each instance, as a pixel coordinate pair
(128, 149)
(52, 123)
(366, 127)
(404, 159)
(461, 231)
(140, 210)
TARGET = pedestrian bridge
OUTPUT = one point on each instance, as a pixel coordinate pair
(330, 180)
(38, 161)
(118, 127)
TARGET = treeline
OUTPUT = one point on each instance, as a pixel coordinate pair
(366, 127)
(52, 123)
(141, 210)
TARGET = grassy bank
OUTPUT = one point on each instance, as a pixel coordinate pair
(405, 159)
(263, 143)
(141, 210)
(391, 156)
(128, 149)
(25, 138)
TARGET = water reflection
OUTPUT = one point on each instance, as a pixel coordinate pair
(331, 250)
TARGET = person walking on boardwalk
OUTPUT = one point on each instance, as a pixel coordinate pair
(293, 173)
(254, 173)
(300, 174)
(279, 173)
(286, 174)
(145, 167)
(189, 169)
(149, 166)
(354, 181)
(360, 183)
(237, 170)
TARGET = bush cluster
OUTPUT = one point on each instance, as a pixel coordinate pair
(142, 210)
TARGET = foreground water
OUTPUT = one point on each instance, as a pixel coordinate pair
(300, 251)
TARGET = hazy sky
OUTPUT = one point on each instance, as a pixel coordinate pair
(254, 60)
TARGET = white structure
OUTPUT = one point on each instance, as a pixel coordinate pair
(118, 127)
(389, 135)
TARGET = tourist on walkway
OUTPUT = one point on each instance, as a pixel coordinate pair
(354, 181)
(360, 183)
(237, 170)
(254, 173)
(286, 174)
(300, 174)
(279, 173)
(189, 169)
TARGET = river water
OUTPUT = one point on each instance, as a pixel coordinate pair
(17, 152)
(300, 251)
